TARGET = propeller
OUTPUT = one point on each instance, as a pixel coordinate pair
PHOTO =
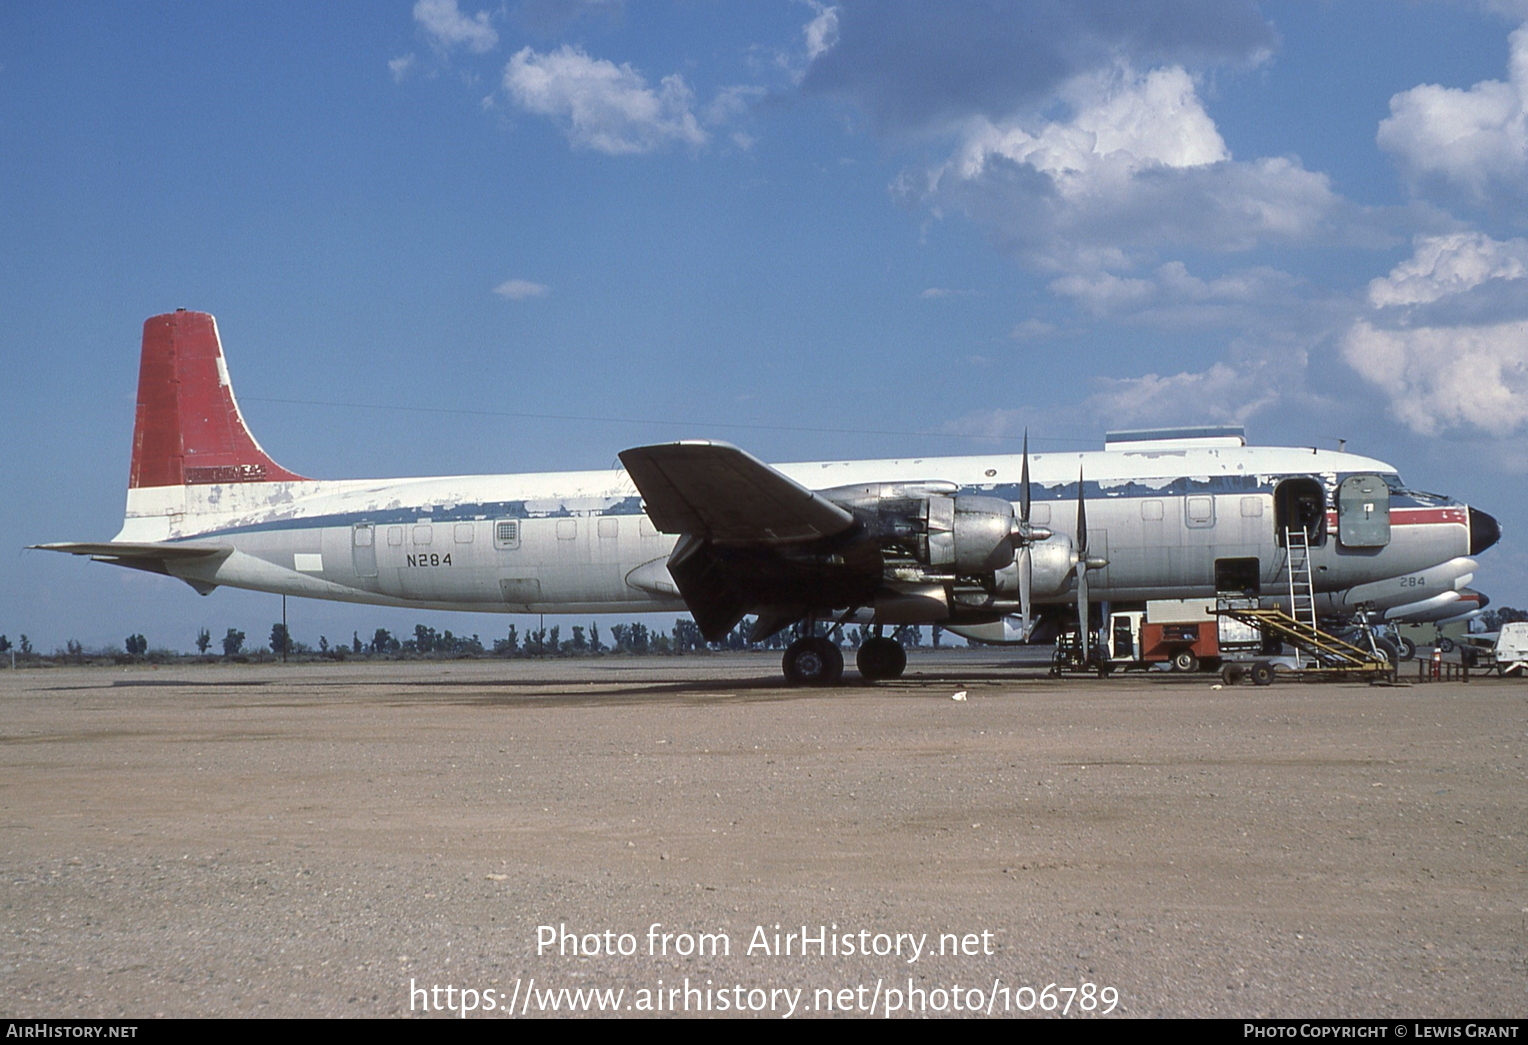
(1024, 534)
(1084, 564)
(1026, 561)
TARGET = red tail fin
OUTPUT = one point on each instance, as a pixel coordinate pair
(189, 428)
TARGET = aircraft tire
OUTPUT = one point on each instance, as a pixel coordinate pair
(880, 658)
(1262, 673)
(1184, 660)
(1389, 650)
(874, 659)
(813, 661)
(1407, 647)
(1446, 644)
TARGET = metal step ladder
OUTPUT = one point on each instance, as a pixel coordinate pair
(1321, 652)
(1302, 588)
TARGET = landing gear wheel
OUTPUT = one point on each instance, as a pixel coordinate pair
(813, 662)
(1407, 647)
(880, 658)
(1446, 644)
(1262, 673)
(1184, 660)
(1389, 651)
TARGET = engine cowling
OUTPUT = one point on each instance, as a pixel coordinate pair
(970, 533)
(1050, 563)
(965, 534)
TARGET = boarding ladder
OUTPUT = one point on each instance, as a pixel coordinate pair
(1302, 588)
(1323, 652)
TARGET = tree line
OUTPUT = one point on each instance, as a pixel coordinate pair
(632, 639)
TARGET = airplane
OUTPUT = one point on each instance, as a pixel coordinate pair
(993, 547)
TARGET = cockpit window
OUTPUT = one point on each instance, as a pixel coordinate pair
(1398, 487)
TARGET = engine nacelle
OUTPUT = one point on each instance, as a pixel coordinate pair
(965, 534)
(1050, 567)
(970, 533)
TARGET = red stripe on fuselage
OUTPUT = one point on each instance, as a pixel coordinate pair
(1457, 516)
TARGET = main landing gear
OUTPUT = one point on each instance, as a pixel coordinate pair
(880, 658)
(813, 661)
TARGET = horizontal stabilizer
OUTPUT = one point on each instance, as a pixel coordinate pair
(719, 493)
(132, 550)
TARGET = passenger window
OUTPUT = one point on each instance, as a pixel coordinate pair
(610, 527)
(1200, 512)
(464, 533)
(424, 534)
(567, 529)
(1151, 510)
(395, 535)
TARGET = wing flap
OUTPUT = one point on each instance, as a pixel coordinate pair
(719, 493)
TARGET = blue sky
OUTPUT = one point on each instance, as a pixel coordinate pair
(814, 230)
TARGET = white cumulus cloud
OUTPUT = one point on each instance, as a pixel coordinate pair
(1446, 335)
(1474, 140)
(603, 106)
(1122, 123)
(1138, 165)
(1226, 393)
(1174, 298)
(401, 67)
(520, 289)
(1441, 266)
(821, 32)
(446, 26)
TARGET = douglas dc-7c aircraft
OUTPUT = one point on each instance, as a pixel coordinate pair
(985, 546)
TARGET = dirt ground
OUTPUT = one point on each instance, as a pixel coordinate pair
(337, 840)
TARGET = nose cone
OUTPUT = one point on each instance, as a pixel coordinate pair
(1484, 531)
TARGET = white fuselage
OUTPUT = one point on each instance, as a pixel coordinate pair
(580, 541)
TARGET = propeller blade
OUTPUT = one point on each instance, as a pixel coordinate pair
(1082, 605)
(1026, 577)
(1082, 521)
(1024, 481)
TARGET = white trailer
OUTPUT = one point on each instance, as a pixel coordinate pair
(1512, 648)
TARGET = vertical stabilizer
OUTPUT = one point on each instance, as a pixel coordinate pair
(189, 430)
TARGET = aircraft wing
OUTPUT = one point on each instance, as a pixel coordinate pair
(719, 493)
